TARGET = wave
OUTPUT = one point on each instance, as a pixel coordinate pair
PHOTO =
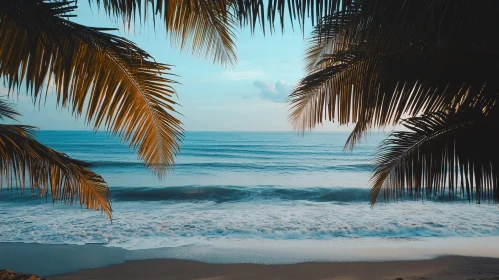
(351, 167)
(159, 224)
(227, 194)
(219, 194)
(273, 151)
(236, 193)
(227, 166)
(103, 163)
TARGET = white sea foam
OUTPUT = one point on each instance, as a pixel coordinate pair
(142, 225)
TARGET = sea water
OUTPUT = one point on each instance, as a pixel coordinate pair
(239, 189)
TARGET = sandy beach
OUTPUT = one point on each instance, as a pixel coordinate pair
(450, 267)
(96, 261)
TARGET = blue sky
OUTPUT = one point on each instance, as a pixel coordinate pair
(249, 96)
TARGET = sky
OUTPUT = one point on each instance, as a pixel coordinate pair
(248, 96)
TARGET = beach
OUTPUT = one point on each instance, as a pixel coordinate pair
(96, 261)
(443, 268)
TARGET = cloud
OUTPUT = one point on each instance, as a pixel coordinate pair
(243, 75)
(277, 92)
(245, 70)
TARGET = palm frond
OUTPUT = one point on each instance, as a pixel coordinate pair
(378, 89)
(24, 163)
(116, 84)
(247, 12)
(251, 12)
(204, 26)
(373, 61)
(7, 111)
(328, 37)
(443, 154)
(390, 23)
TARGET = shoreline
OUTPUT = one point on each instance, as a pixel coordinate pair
(442, 268)
(262, 256)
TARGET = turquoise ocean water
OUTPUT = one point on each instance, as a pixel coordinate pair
(236, 187)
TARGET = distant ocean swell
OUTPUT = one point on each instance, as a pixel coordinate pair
(228, 166)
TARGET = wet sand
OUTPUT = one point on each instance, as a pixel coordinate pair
(96, 261)
(442, 268)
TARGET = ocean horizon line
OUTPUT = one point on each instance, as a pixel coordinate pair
(222, 131)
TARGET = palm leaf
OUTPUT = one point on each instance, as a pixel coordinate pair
(251, 12)
(390, 23)
(247, 12)
(204, 26)
(24, 162)
(373, 61)
(7, 111)
(441, 155)
(376, 90)
(328, 37)
(116, 84)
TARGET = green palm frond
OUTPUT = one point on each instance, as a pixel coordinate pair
(441, 155)
(204, 26)
(107, 78)
(26, 163)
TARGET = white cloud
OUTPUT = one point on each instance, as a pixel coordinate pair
(277, 92)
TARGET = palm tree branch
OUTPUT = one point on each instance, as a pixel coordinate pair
(427, 159)
(251, 12)
(7, 111)
(327, 38)
(26, 162)
(121, 86)
(204, 25)
(451, 33)
(390, 23)
(378, 88)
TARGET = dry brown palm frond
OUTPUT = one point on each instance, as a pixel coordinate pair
(26, 163)
(247, 12)
(204, 26)
(446, 155)
(108, 78)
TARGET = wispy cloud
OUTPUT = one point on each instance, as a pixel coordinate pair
(277, 92)
(245, 70)
(243, 75)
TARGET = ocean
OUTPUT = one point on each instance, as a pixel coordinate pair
(245, 189)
